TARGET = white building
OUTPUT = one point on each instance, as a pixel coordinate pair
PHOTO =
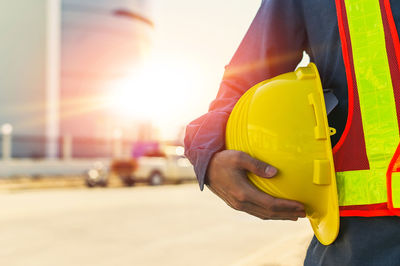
(29, 49)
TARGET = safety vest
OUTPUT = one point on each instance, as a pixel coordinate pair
(367, 154)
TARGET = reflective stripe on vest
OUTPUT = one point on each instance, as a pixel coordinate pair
(376, 102)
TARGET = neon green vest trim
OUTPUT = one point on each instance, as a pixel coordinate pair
(377, 104)
(396, 189)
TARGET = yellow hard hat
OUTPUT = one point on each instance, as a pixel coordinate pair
(283, 121)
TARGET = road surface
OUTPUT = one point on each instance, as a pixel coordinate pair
(167, 225)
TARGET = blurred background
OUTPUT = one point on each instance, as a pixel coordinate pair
(97, 94)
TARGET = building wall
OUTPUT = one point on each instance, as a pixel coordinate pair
(44, 98)
(28, 58)
(23, 65)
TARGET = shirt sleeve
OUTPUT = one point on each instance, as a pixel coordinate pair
(273, 44)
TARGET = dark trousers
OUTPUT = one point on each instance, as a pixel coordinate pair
(361, 241)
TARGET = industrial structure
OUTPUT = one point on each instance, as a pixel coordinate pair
(60, 58)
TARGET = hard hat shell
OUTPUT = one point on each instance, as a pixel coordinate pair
(283, 121)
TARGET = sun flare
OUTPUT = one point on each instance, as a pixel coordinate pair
(156, 92)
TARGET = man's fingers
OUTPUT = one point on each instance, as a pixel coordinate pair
(263, 199)
(265, 206)
(275, 205)
(269, 217)
(255, 166)
(282, 205)
(265, 214)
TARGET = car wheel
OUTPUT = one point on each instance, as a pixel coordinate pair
(96, 177)
(156, 179)
(104, 183)
(89, 184)
(128, 181)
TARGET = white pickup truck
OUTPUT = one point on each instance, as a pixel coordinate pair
(169, 166)
(174, 167)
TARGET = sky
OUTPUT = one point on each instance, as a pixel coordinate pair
(193, 41)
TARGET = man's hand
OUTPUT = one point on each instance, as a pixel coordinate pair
(227, 178)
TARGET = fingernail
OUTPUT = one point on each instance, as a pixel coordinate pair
(270, 171)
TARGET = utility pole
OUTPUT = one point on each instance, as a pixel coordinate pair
(53, 29)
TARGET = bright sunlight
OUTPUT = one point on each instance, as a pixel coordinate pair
(158, 91)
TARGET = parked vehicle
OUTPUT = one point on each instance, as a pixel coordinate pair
(97, 176)
(173, 167)
(124, 169)
(157, 168)
(165, 165)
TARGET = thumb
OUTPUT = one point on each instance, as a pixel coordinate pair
(257, 167)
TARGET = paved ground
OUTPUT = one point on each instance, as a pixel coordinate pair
(168, 225)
